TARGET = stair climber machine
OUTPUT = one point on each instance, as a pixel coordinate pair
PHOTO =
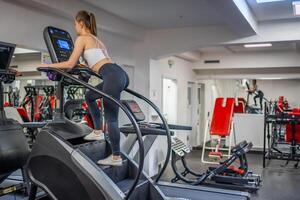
(14, 149)
(64, 165)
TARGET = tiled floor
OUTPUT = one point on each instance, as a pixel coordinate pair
(279, 182)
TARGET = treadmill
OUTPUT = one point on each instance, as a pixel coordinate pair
(64, 165)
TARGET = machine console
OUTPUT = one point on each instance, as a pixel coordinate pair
(6, 53)
(59, 43)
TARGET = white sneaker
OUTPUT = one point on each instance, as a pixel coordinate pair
(110, 161)
(95, 135)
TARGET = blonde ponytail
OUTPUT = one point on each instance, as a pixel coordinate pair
(93, 27)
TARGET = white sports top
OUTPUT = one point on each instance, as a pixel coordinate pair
(93, 55)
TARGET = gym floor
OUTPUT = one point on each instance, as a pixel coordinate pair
(279, 182)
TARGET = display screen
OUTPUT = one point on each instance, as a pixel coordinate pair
(5, 55)
(134, 107)
(63, 44)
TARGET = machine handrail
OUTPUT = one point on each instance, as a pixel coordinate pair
(148, 101)
(166, 127)
(127, 112)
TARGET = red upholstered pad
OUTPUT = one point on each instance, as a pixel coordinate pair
(295, 111)
(237, 170)
(23, 113)
(52, 100)
(289, 135)
(242, 99)
(89, 121)
(281, 103)
(6, 104)
(37, 111)
(215, 154)
(240, 106)
(222, 117)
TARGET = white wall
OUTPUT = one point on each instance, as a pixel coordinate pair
(275, 88)
(259, 59)
(24, 27)
(182, 72)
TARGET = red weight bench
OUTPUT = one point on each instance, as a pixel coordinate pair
(289, 128)
(220, 127)
(239, 106)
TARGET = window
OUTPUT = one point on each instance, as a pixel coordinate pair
(267, 1)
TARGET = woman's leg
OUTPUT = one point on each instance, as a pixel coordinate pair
(261, 97)
(91, 98)
(121, 81)
(254, 99)
(111, 116)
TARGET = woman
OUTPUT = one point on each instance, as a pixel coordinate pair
(258, 94)
(115, 80)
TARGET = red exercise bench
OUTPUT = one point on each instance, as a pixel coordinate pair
(220, 127)
(239, 106)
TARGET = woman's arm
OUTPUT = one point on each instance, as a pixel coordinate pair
(77, 52)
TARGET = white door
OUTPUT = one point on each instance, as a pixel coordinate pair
(192, 113)
(170, 100)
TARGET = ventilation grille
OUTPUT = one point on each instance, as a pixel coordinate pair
(211, 61)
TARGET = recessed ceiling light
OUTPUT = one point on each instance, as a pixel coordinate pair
(271, 78)
(296, 7)
(267, 1)
(257, 45)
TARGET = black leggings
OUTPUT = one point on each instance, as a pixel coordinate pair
(115, 80)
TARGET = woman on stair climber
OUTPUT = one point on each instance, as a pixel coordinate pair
(115, 80)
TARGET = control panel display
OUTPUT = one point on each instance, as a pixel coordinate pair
(134, 107)
(63, 44)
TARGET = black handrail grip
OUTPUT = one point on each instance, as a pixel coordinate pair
(127, 112)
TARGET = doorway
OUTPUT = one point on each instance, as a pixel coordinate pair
(170, 100)
(195, 112)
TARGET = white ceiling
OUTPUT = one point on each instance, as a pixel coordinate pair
(155, 14)
(194, 56)
(280, 10)
(276, 46)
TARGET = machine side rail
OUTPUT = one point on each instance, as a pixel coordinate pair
(165, 126)
(127, 112)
